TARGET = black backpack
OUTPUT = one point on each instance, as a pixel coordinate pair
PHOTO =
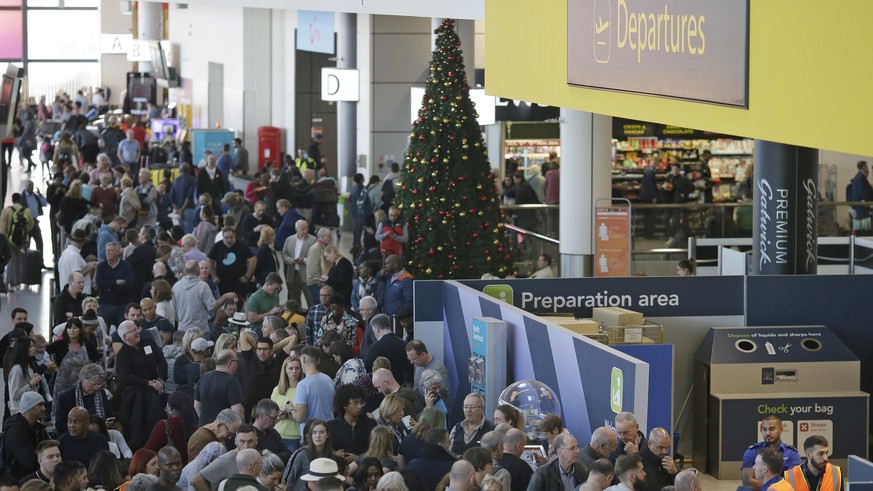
(18, 233)
(388, 194)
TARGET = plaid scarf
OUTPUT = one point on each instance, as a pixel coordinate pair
(98, 401)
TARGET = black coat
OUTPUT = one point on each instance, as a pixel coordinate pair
(392, 347)
(519, 470)
(140, 403)
(656, 476)
(20, 447)
(340, 279)
(64, 303)
(67, 400)
(142, 260)
(432, 463)
(548, 477)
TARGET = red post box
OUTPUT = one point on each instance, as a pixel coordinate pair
(269, 145)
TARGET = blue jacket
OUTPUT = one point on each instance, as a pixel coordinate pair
(398, 293)
(104, 236)
(286, 228)
(182, 189)
(861, 191)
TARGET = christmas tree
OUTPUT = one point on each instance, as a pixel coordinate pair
(447, 192)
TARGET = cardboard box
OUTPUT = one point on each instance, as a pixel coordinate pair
(615, 316)
(580, 326)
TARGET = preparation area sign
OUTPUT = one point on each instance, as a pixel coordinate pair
(686, 49)
(612, 240)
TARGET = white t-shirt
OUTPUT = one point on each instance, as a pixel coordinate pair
(71, 260)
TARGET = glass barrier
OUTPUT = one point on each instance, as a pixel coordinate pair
(661, 233)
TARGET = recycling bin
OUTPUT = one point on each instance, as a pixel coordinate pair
(803, 374)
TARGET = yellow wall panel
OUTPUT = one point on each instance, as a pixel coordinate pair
(810, 72)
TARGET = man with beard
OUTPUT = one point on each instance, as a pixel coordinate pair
(562, 473)
(657, 462)
(817, 474)
(630, 473)
(771, 429)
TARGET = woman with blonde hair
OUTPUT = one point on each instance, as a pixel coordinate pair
(266, 256)
(413, 443)
(225, 341)
(391, 413)
(382, 447)
(340, 273)
(289, 377)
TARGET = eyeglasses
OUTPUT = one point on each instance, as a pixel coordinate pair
(413, 358)
(472, 407)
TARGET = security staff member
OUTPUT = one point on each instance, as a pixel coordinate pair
(818, 474)
(771, 428)
(768, 470)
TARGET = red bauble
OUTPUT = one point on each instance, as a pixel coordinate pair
(475, 235)
(443, 98)
(421, 137)
(433, 160)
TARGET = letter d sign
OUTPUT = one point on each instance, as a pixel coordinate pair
(333, 84)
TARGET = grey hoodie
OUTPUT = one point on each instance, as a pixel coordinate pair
(193, 301)
(171, 354)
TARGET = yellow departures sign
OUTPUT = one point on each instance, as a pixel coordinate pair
(659, 31)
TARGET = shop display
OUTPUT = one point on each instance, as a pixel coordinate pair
(637, 145)
(529, 152)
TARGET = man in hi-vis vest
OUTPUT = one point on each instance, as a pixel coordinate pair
(768, 471)
(817, 474)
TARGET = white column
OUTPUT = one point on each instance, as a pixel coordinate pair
(585, 178)
(435, 23)
(347, 57)
(364, 112)
(467, 34)
(150, 17)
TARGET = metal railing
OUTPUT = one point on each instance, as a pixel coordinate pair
(708, 225)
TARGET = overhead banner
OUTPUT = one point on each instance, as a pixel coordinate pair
(785, 232)
(673, 296)
(612, 239)
(315, 32)
(687, 49)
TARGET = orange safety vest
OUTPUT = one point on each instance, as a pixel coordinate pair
(831, 480)
(781, 485)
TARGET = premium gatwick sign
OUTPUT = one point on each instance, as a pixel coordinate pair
(687, 49)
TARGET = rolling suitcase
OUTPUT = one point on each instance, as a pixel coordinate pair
(33, 268)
